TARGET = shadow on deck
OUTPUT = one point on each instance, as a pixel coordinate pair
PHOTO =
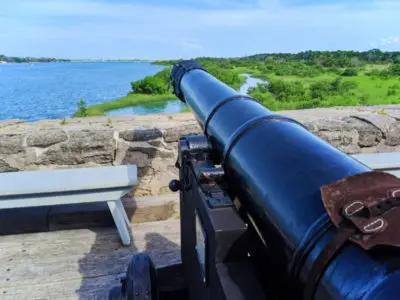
(103, 266)
(75, 252)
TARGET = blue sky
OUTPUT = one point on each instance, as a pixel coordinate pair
(161, 29)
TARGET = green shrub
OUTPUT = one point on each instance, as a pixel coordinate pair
(395, 101)
(152, 85)
(395, 70)
(321, 89)
(363, 99)
(384, 74)
(350, 72)
(281, 94)
(229, 77)
(149, 85)
(393, 90)
(325, 88)
(382, 112)
(347, 86)
(335, 70)
(288, 90)
(373, 73)
(82, 109)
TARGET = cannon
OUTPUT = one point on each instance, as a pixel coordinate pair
(271, 211)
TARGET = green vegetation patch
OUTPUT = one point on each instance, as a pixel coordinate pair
(127, 101)
(154, 89)
(294, 81)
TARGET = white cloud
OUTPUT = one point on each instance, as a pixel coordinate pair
(88, 28)
(391, 40)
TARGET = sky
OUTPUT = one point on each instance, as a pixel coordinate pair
(172, 29)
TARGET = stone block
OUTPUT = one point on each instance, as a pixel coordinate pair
(11, 143)
(140, 134)
(175, 133)
(46, 138)
(96, 146)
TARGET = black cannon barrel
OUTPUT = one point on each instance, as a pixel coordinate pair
(277, 168)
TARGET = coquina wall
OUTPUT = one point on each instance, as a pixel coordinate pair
(150, 141)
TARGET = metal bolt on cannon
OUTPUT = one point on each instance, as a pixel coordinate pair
(271, 211)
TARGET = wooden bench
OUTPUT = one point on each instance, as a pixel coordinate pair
(387, 162)
(71, 186)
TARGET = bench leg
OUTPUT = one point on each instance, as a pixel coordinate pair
(120, 220)
(123, 213)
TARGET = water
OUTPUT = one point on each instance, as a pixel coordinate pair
(250, 82)
(50, 90)
(171, 106)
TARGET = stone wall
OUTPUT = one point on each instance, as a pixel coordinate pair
(150, 141)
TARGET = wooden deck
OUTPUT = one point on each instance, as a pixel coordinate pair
(85, 263)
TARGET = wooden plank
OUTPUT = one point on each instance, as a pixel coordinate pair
(46, 258)
(47, 199)
(61, 180)
(381, 161)
(169, 279)
(82, 289)
(386, 162)
(394, 172)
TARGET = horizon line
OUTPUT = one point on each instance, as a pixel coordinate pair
(181, 58)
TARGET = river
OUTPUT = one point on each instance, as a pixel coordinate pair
(250, 82)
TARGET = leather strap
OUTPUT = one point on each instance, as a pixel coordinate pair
(365, 209)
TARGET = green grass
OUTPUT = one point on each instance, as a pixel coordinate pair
(370, 91)
(376, 90)
(127, 101)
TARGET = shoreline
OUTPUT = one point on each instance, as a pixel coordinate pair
(310, 114)
(132, 100)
